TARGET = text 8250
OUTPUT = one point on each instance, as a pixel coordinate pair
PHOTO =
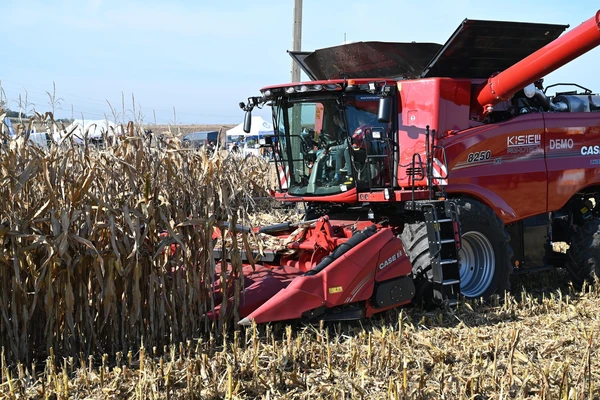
(479, 156)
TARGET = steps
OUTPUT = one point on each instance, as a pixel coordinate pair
(443, 233)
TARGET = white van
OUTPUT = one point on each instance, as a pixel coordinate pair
(40, 139)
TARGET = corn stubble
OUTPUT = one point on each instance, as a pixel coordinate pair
(86, 286)
(541, 347)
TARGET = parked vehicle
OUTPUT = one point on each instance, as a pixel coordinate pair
(39, 138)
(200, 139)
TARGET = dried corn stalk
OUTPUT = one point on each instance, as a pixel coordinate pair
(104, 248)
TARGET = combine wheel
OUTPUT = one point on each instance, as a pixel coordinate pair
(485, 257)
(583, 256)
(415, 242)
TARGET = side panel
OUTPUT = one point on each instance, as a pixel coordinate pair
(440, 103)
(572, 154)
(501, 164)
(392, 262)
(419, 105)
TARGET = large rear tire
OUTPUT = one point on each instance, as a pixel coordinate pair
(583, 256)
(485, 257)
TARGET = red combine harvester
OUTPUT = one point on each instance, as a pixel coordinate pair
(392, 146)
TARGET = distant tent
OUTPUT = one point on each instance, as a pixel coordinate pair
(259, 128)
(95, 130)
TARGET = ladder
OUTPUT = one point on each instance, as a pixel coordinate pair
(443, 233)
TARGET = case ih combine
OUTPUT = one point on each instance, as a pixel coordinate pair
(392, 144)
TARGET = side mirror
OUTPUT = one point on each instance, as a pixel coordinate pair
(247, 121)
(385, 109)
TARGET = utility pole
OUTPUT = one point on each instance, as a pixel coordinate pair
(297, 38)
(296, 116)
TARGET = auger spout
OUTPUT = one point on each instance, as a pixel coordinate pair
(549, 58)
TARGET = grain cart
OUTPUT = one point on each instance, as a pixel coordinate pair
(391, 144)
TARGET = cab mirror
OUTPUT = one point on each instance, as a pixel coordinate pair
(247, 121)
(385, 109)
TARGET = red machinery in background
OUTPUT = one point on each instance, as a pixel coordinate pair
(460, 133)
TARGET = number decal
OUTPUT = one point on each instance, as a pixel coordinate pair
(483, 155)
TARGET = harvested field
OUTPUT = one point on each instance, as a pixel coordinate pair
(534, 346)
(91, 306)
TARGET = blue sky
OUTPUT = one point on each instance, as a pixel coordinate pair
(202, 57)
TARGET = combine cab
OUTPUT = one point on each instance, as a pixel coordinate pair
(392, 146)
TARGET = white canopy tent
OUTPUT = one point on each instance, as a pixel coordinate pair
(259, 127)
(95, 129)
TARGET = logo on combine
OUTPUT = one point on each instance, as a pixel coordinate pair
(522, 144)
(390, 260)
(559, 144)
(590, 150)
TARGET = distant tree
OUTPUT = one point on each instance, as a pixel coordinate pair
(15, 114)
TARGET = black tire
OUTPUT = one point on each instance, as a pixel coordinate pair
(485, 243)
(416, 245)
(583, 256)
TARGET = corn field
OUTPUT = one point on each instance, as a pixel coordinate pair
(102, 249)
(106, 265)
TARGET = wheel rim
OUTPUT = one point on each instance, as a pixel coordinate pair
(477, 264)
